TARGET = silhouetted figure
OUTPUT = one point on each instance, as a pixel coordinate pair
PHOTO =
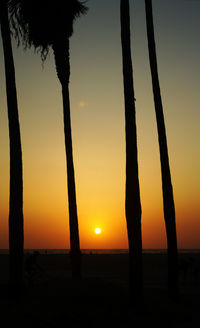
(76, 262)
(189, 270)
(16, 233)
(184, 267)
(168, 198)
(132, 202)
(32, 268)
(195, 269)
(44, 24)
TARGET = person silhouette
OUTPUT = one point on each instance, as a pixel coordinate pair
(32, 268)
(184, 267)
(195, 269)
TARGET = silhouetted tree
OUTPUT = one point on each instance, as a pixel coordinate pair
(132, 203)
(168, 199)
(16, 234)
(46, 24)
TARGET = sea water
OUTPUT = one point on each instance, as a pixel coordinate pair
(103, 251)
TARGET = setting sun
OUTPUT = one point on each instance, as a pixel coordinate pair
(98, 136)
(97, 231)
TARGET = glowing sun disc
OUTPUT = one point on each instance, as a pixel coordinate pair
(97, 231)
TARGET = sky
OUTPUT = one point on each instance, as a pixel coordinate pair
(98, 129)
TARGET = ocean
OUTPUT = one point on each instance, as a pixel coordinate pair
(103, 251)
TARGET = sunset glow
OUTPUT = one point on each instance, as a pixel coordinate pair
(98, 130)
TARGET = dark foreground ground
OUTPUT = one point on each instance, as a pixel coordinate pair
(100, 299)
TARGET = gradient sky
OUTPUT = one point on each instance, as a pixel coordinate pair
(97, 110)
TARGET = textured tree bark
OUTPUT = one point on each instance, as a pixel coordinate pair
(132, 202)
(16, 233)
(61, 53)
(168, 199)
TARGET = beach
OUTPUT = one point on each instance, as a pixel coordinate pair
(101, 298)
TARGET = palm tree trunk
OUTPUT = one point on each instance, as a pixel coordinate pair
(61, 54)
(168, 199)
(16, 234)
(132, 203)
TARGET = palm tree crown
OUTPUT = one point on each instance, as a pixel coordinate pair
(42, 23)
(45, 24)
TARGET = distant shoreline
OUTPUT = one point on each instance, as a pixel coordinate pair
(102, 251)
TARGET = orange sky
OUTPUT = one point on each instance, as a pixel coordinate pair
(97, 108)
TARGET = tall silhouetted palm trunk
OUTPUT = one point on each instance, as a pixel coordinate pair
(132, 203)
(61, 54)
(16, 237)
(44, 24)
(168, 200)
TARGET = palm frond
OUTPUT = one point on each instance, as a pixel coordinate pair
(42, 23)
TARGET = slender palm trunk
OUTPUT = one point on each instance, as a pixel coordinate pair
(132, 203)
(61, 53)
(16, 235)
(168, 199)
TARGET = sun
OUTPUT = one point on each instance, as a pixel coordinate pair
(97, 231)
